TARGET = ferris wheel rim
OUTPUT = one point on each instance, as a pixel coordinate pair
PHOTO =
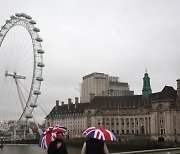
(26, 21)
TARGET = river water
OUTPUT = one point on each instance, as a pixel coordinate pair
(31, 149)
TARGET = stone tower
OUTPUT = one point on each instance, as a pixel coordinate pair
(146, 86)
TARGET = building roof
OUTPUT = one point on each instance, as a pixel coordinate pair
(168, 93)
(68, 108)
(121, 102)
(134, 101)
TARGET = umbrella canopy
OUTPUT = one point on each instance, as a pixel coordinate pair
(50, 135)
(99, 133)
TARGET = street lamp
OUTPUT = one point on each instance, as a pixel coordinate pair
(1, 146)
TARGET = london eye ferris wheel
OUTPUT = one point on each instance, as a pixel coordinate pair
(21, 65)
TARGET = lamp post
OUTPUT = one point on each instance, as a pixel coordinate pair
(1, 146)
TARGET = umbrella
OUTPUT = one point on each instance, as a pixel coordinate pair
(99, 133)
(50, 135)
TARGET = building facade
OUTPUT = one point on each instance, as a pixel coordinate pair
(100, 84)
(152, 117)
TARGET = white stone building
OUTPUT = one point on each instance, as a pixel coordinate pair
(153, 117)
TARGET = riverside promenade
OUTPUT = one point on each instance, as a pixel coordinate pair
(29, 149)
(155, 151)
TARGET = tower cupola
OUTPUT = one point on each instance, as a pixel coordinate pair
(146, 86)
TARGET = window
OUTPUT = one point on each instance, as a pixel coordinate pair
(122, 131)
(117, 131)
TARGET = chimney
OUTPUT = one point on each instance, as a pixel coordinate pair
(62, 103)
(76, 102)
(69, 103)
(178, 89)
(69, 100)
(57, 104)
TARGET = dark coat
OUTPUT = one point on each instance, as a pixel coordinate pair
(52, 149)
(94, 146)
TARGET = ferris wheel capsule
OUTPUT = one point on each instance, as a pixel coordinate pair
(23, 14)
(40, 64)
(28, 17)
(33, 105)
(13, 17)
(37, 92)
(40, 51)
(18, 15)
(28, 116)
(39, 78)
(39, 39)
(32, 22)
(36, 29)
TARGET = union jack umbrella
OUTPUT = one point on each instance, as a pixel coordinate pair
(99, 133)
(50, 135)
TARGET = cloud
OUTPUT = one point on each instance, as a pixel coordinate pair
(120, 38)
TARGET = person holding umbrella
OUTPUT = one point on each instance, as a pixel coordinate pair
(95, 144)
(58, 146)
(52, 139)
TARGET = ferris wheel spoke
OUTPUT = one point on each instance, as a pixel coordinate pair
(7, 96)
(25, 87)
(2, 64)
(24, 67)
(20, 94)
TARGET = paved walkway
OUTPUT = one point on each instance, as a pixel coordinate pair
(156, 151)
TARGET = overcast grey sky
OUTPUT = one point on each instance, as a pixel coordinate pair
(117, 37)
